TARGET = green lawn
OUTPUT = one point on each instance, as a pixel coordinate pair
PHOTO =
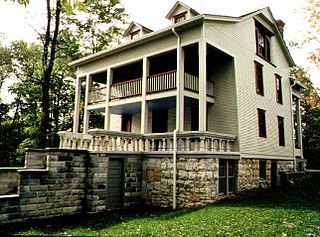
(291, 212)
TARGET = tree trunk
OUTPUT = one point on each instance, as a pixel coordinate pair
(48, 63)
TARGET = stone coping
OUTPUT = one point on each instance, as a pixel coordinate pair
(184, 154)
(8, 196)
(33, 170)
(11, 168)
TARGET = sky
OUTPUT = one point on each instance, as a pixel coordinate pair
(18, 22)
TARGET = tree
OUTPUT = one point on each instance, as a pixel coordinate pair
(100, 17)
(310, 106)
(312, 11)
(98, 12)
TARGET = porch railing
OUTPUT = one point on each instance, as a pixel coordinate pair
(210, 88)
(191, 82)
(161, 82)
(126, 89)
(97, 94)
(191, 141)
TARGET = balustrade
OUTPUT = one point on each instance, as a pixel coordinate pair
(126, 89)
(102, 140)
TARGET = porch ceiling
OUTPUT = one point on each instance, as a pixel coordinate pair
(130, 108)
(156, 104)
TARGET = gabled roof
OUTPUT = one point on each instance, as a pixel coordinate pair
(132, 25)
(275, 27)
(188, 23)
(176, 5)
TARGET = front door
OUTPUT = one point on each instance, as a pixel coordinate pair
(115, 183)
(160, 121)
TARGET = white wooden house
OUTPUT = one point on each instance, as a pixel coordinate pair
(208, 90)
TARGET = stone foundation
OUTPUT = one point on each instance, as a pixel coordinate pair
(248, 173)
(59, 182)
(197, 181)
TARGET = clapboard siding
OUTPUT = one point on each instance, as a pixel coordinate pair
(226, 36)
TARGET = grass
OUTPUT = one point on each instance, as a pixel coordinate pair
(291, 212)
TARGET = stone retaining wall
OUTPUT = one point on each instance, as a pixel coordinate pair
(9, 181)
(73, 182)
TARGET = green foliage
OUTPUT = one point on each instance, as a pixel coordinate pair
(44, 88)
(98, 26)
(310, 118)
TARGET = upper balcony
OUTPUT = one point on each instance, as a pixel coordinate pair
(156, 83)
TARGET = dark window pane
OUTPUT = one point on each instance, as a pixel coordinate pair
(232, 185)
(222, 185)
(262, 123)
(259, 78)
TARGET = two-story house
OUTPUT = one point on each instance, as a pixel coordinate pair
(206, 105)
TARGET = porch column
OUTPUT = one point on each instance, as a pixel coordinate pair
(180, 88)
(77, 99)
(107, 109)
(144, 103)
(86, 103)
(298, 114)
(202, 85)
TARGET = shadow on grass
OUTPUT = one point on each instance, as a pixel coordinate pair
(304, 194)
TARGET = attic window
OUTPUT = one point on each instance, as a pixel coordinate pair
(180, 17)
(135, 34)
(263, 36)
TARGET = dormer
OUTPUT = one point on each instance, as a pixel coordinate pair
(135, 30)
(181, 12)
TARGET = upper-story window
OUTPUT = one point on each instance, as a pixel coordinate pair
(281, 135)
(262, 126)
(259, 78)
(135, 34)
(180, 17)
(263, 41)
(278, 89)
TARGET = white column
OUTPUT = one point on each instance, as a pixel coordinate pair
(202, 85)
(107, 109)
(180, 88)
(77, 99)
(86, 111)
(144, 103)
(299, 135)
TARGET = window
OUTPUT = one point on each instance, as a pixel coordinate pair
(281, 131)
(180, 17)
(227, 176)
(278, 89)
(262, 169)
(263, 41)
(259, 78)
(262, 123)
(135, 34)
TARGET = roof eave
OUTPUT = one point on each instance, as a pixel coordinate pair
(133, 43)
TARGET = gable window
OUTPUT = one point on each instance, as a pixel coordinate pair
(181, 17)
(262, 123)
(135, 34)
(278, 89)
(263, 41)
(262, 169)
(259, 78)
(281, 135)
(227, 176)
